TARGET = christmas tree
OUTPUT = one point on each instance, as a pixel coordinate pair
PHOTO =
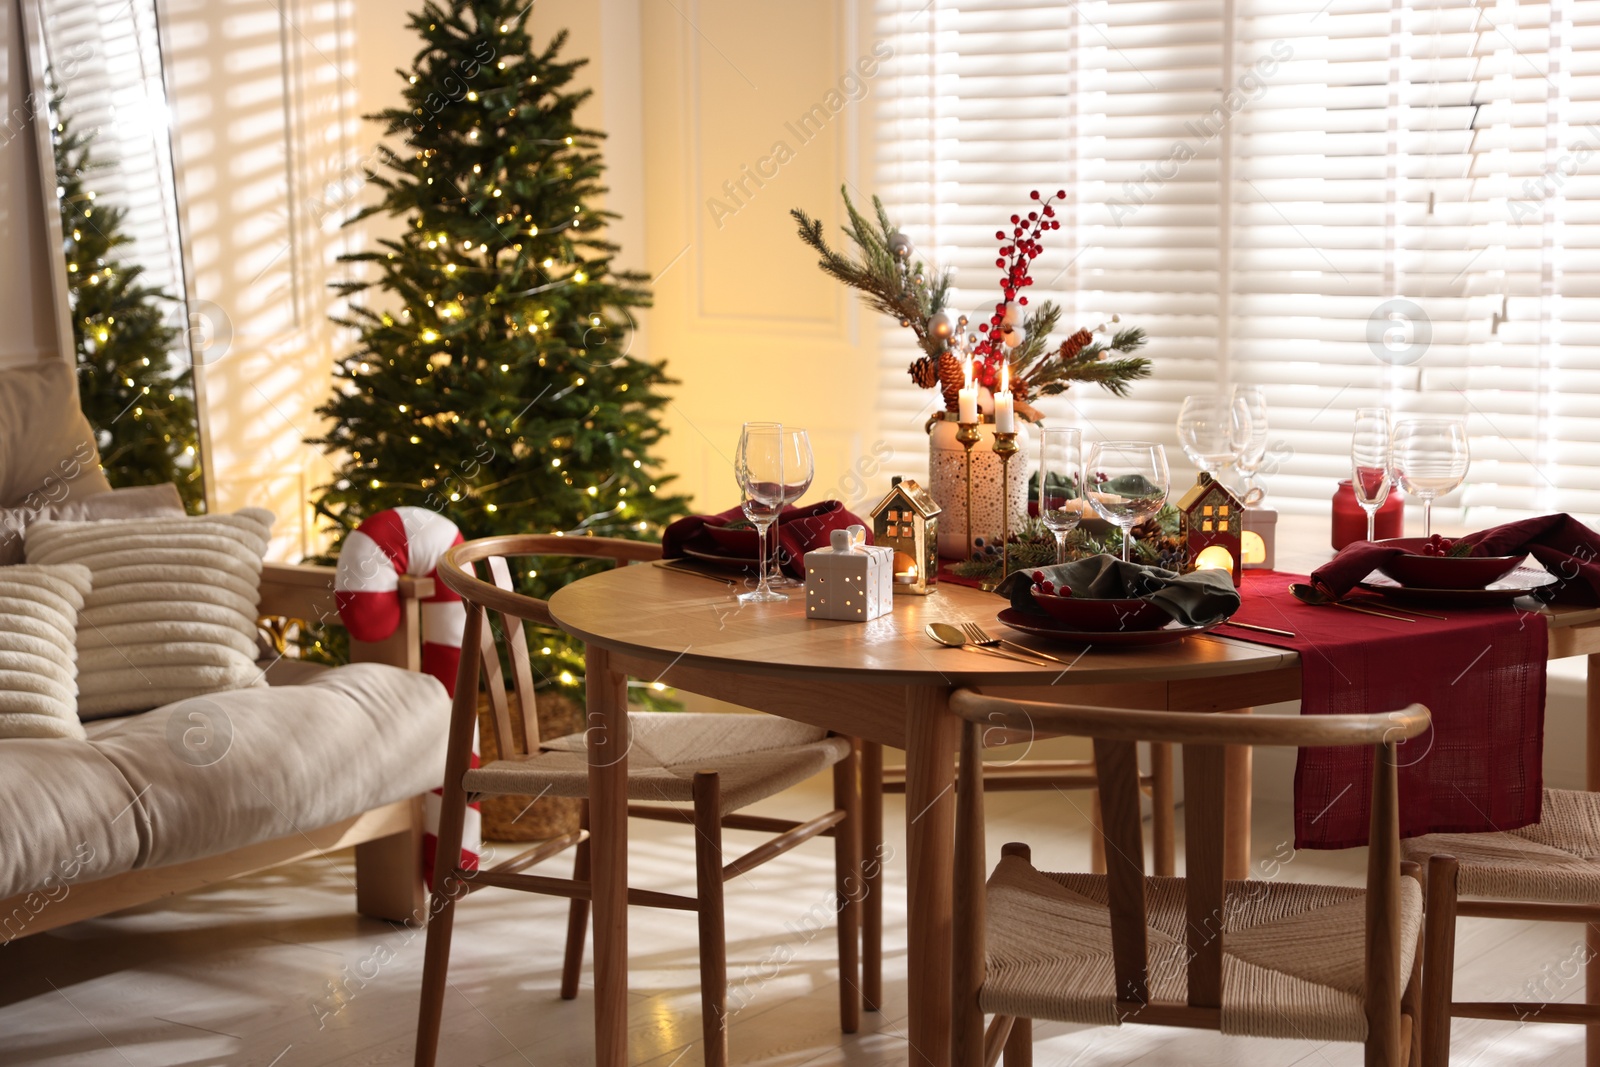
(491, 378)
(133, 381)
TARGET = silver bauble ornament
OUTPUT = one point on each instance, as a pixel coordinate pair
(899, 245)
(941, 325)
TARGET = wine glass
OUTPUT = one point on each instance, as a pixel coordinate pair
(1253, 403)
(759, 469)
(1430, 459)
(1371, 457)
(799, 468)
(1213, 431)
(1127, 483)
(1060, 484)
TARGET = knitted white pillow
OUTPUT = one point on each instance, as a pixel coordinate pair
(173, 610)
(38, 623)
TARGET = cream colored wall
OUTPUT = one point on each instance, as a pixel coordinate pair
(743, 317)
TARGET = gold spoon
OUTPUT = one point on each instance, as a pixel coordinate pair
(951, 637)
(1309, 595)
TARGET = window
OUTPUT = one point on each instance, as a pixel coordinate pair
(1349, 204)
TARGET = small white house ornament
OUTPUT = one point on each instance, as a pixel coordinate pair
(849, 580)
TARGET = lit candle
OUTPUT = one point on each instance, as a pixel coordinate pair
(907, 576)
(1005, 416)
(968, 396)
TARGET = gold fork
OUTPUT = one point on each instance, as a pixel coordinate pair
(977, 636)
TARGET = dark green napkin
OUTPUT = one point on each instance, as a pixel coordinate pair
(1194, 599)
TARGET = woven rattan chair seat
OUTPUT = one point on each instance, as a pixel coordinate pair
(1293, 954)
(1556, 861)
(755, 756)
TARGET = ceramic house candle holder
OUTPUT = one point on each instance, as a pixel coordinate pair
(849, 580)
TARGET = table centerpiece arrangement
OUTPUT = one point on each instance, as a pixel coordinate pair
(988, 372)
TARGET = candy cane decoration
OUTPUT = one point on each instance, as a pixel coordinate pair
(410, 541)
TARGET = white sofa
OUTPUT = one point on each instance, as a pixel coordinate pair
(212, 787)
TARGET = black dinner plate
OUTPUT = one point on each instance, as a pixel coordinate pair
(1040, 626)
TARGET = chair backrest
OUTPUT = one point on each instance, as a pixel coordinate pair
(463, 570)
(1204, 738)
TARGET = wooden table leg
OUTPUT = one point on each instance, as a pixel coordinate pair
(1236, 809)
(932, 733)
(608, 742)
(872, 860)
(1591, 991)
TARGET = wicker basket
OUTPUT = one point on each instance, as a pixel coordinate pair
(514, 818)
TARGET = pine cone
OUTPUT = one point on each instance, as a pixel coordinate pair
(925, 372)
(1075, 344)
(951, 380)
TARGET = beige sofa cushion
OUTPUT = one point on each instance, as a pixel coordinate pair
(38, 652)
(134, 502)
(216, 773)
(66, 815)
(230, 769)
(47, 448)
(173, 609)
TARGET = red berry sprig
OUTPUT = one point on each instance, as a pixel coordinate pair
(1444, 546)
(1018, 250)
(1046, 586)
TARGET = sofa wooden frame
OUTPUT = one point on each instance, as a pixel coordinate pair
(387, 839)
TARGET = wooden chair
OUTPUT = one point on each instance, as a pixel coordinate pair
(714, 763)
(1549, 871)
(1024, 776)
(1267, 959)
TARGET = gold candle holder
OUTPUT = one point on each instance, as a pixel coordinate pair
(1005, 446)
(967, 434)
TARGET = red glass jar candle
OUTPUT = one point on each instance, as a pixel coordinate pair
(1350, 521)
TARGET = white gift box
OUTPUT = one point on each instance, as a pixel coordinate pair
(850, 580)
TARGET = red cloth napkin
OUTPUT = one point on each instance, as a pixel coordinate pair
(1481, 674)
(799, 530)
(1566, 547)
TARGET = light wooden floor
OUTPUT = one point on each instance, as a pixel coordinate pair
(277, 971)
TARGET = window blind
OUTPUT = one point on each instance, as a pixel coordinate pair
(1354, 203)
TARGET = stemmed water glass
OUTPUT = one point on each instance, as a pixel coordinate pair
(1253, 403)
(1213, 430)
(759, 469)
(1127, 483)
(1371, 458)
(1060, 483)
(1430, 459)
(799, 468)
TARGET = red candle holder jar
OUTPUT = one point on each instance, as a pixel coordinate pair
(1350, 521)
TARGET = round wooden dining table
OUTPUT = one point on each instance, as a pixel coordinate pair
(883, 681)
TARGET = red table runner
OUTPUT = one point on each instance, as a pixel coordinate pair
(1481, 674)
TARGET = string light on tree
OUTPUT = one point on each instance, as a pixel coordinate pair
(487, 381)
(128, 347)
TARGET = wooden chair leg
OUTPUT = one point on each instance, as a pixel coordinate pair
(872, 875)
(1163, 805)
(707, 791)
(1019, 1044)
(577, 916)
(1439, 960)
(447, 853)
(847, 879)
(1097, 836)
(1411, 994)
